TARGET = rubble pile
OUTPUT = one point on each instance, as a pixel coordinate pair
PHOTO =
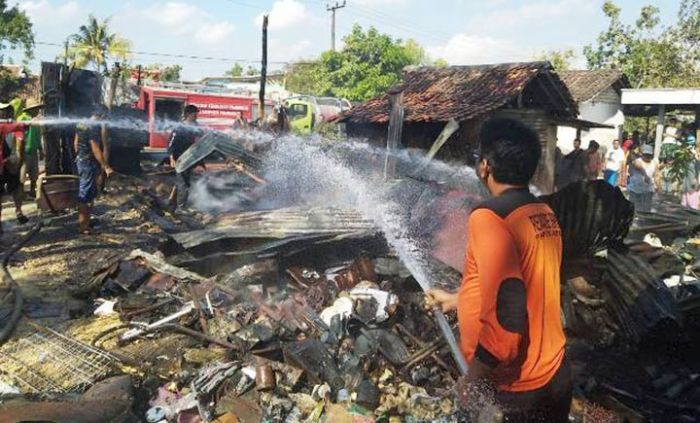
(305, 314)
(349, 340)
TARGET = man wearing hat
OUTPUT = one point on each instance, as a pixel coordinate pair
(32, 147)
(641, 184)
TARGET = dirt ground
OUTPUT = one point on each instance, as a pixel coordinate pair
(58, 261)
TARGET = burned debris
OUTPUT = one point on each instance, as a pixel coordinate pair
(307, 314)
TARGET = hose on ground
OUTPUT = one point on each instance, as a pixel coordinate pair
(11, 323)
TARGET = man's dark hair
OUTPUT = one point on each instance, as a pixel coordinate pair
(191, 108)
(511, 148)
(100, 111)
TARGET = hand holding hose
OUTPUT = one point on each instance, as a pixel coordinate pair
(446, 301)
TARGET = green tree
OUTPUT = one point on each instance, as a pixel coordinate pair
(171, 73)
(15, 30)
(251, 71)
(307, 78)
(236, 70)
(688, 28)
(440, 63)
(367, 66)
(560, 59)
(95, 44)
(650, 56)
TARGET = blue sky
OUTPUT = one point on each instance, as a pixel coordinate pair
(460, 31)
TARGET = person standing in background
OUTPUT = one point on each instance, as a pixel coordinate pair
(690, 193)
(559, 171)
(33, 151)
(90, 162)
(575, 164)
(181, 139)
(671, 141)
(641, 185)
(627, 146)
(10, 161)
(614, 161)
(593, 161)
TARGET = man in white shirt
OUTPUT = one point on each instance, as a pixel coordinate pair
(614, 160)
(641, 185)
(671, 132)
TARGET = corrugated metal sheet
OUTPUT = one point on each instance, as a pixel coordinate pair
(278, 224)
(216, 142)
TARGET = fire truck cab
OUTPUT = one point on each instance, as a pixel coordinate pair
(217, 110)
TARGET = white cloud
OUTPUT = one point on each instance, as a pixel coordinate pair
(284, 14)
(184, 19)
(285, 50)
(43, 11)
(466, 49)
(380, 2)
(531, 12)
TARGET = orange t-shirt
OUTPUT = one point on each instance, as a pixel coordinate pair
(509, 305)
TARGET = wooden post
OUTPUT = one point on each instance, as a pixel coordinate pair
(332, 9)
(697, 125)
(113, 86)
(263, 72)
(110, 104)
(659, 130)
(393, 139)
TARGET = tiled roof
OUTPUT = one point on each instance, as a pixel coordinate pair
(586, 84)
(464, 92)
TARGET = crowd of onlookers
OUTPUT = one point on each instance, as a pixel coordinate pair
(632, 166)
(20, 153)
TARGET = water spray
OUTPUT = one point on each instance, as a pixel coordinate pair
(307, 163)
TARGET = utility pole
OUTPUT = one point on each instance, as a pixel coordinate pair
(263, 73)
(332, 9)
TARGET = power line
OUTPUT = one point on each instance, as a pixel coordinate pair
(180, 56)
(405, 22)
(408, 28)
(245, 4)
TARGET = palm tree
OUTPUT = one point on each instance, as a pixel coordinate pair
(94, 44)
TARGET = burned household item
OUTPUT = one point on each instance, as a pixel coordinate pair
(592, 216)
(57, 192)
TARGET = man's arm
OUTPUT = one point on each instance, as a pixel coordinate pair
(105, 143)
(503, 300)
(20, 149)
(97, 152)
(171, 149)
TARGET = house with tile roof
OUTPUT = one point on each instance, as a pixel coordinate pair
(469, 95)
(598, 94)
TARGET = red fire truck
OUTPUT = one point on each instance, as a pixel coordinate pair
(217, 110)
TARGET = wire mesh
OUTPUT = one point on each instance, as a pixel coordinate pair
(47, 361)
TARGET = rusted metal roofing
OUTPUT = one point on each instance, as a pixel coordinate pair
(586, 84)
(464, 92)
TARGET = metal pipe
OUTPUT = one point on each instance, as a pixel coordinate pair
(149, 308)
(133, 333)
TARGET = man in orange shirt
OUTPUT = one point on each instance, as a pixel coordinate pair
(508, 306)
